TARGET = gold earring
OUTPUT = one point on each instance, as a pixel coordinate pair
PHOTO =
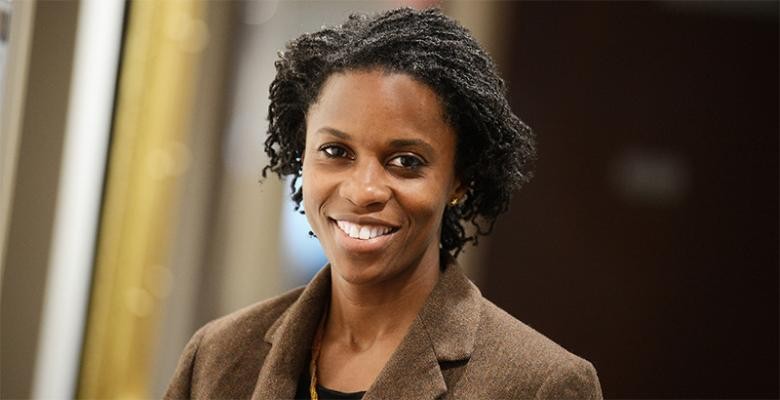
(454, 202)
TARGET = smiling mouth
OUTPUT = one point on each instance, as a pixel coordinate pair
(364, 232)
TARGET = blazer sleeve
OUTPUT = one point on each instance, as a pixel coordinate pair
(572, 380)
(181, 383)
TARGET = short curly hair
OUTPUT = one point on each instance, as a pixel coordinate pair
(495, 149)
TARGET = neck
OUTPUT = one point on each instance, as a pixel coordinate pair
(361, 315)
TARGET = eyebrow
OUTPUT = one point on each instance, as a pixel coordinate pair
(402, 143)
(335, 132)
(396, 143)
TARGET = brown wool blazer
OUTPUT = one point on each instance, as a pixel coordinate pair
(461, 346)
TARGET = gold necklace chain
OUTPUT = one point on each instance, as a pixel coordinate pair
(315, 355)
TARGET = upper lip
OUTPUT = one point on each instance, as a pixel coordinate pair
(362, 220)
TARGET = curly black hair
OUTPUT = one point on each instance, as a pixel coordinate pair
(495, 149)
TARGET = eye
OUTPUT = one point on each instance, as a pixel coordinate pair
(407, 161)
(333, 151)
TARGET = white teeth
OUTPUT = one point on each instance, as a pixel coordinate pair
(362, 232)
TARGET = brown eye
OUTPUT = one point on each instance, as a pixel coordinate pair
(334, 151)
(407, 161)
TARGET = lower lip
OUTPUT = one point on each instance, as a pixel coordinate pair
(351, 244)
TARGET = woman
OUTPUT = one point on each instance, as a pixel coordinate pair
(398, 126)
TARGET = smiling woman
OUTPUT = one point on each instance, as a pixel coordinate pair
(398, 125)
(379, 155)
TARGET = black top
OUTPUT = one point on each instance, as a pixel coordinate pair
(322, 392)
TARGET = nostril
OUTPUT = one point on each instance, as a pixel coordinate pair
(366, 195)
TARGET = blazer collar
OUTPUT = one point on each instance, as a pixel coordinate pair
(444, 331)
(451, 315)
(291, 337)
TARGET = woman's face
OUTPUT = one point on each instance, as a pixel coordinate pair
(378, 172)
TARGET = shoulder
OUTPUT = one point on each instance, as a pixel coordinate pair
(253, 319)
(249, 324)
(521, 342)
(225, 355)
(531, 364)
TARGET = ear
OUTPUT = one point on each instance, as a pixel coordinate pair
(458, 190)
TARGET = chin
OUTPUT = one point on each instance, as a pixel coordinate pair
(358, 272)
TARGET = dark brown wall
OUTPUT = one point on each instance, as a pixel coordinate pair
(648, 242)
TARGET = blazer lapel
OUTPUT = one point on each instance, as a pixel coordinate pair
(412, 372)
(444, 331)
(290, 338)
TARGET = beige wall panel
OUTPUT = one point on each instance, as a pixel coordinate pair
(34, 195)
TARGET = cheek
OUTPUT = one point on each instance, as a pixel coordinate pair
(424, 204)
(430, 202)
(310, 193)
(318, 187)
(306, 178)
(308, 173)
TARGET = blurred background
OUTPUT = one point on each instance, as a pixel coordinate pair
(132, 208)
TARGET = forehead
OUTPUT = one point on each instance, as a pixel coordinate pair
(377, 102)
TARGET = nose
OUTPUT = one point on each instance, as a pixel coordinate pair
(366, 186)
